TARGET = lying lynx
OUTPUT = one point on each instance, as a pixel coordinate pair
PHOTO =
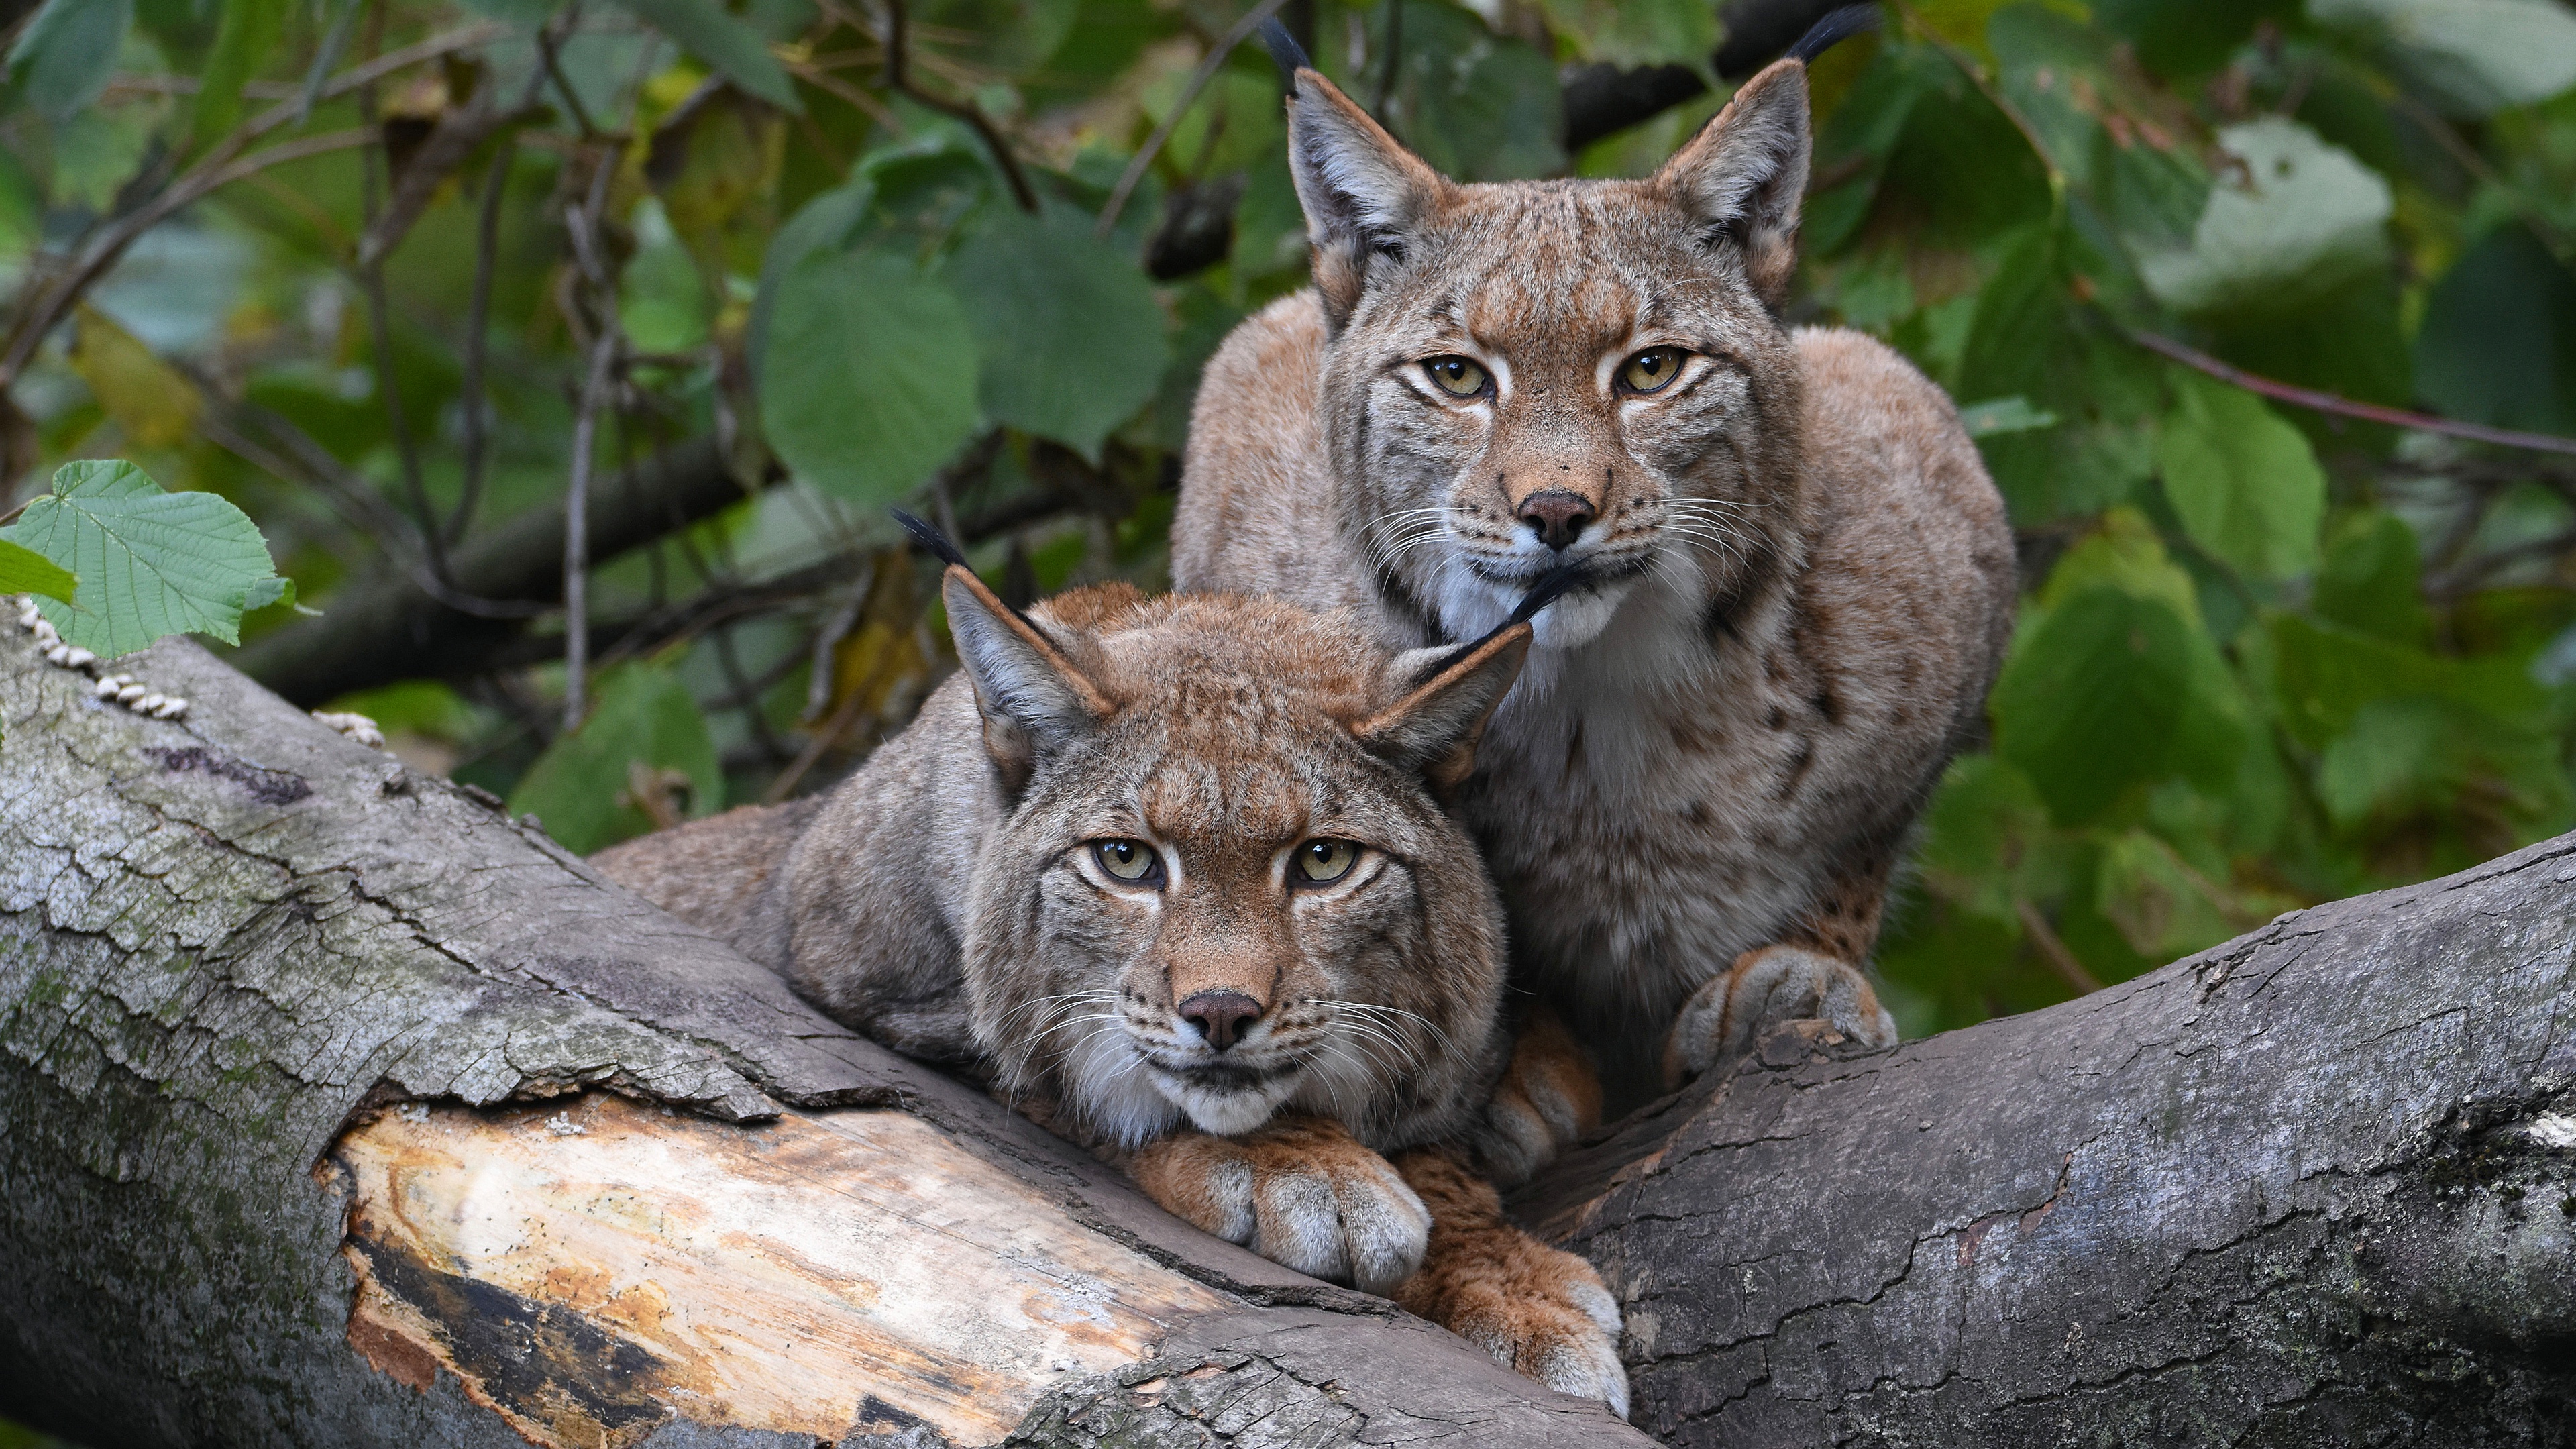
(1798, 579)
(1173, 874)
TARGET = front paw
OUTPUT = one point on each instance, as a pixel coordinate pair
(1540, 1311)
(1766, 987)
(1546, 1100)
(1301, 1192)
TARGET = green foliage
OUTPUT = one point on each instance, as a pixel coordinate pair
(2267, 655)
(148, 563)
(586, 786)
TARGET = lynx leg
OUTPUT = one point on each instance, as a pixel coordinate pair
(1300, 1191)
(1812, 975)
(1543, 1312)
(1547, 1099)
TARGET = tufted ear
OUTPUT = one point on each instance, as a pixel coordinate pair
(1035, 700)
(1742, 177)
(1362, 191)
(1434, 727)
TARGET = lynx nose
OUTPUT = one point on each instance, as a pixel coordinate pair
(1220, 1016)
(1557, 516)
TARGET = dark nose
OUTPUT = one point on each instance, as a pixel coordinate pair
(1220, 1016)
(1556, 515)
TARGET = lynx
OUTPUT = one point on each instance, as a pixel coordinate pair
(1796, 578)
(1174, 875)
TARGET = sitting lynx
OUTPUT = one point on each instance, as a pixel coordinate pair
(1172, 873)
(1797, 578)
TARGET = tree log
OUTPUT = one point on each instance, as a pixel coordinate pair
(337, 1107)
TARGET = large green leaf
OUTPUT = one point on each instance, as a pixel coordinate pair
(868, 380)
(2245, 484)
(2477, 55)
(149, 563)
(2370, 578)
(249, 32)
(2296, 219)
(25, 571)
(704, 30)
(2498, 344)
(1986, 840)
(1476, 105)
(63, 58)
(2110, 690)
(1070, 339)
(583, 786)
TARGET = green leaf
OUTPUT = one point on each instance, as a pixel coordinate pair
(2479, 56)
(149, 563)
(2124, 553)
(740, 53)
(2498, 344)
(2245, 484)
(868, 383)
(25, 571)
(1476, 105)
(583, 786)
(1636, 32)
(242, 44)
(1986, 840)
(2323, 676)
(63, 58)
(2107, 691)
(2371, 579)
(2004, 415)
(2295, 220)
(1070, 338)
(2161, 906)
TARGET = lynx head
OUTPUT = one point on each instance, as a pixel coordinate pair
(1535, 373)
(1226, 883)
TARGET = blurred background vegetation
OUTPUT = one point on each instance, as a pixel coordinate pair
(2250, 302)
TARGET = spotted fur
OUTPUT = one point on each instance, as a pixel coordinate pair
(1799, 578)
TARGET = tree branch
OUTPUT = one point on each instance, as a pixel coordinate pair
(2326, 402)
(1601, 100)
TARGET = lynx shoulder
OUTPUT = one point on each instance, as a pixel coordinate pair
(1796, 578)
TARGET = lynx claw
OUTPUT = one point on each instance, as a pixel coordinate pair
(1305, 1195)
(1537, 1310)
(1767, 987)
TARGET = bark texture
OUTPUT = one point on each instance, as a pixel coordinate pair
(281, 1022)
(2316, 1186)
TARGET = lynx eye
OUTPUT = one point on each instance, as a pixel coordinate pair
(1322, 862)
(1652, 369)
(1129, 860)
(1456, 376)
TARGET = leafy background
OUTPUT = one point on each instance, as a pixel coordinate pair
(396, 278)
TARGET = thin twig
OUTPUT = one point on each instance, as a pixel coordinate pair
(2326, 402)
(587, 250)
(1394, 57)
(1968, 66)
(371, 282)
(1209, 65)
(478, 320)
(222, 164)
(899, 78)
(2061, 960)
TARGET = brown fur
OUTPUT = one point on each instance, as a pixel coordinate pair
(1799, 579)
(947, 900)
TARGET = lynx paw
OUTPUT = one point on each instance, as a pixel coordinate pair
(1301, 1192)
(1547, 1099)
(1544, 1313)
(1730, 1012)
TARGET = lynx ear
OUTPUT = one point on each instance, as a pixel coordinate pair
(1434, 728)
(1035, 701)
(1743, 175)
(1362, 191)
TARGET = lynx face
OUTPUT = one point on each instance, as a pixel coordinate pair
(1225, 887)
(1528, 375)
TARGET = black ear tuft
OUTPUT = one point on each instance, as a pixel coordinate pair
(1284, 50)
(1543, 593)
(927, 534)
(1831, 31)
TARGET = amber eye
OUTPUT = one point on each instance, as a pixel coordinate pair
(1321, 862)
(1456, 376)
(1128, 860)
(1651, 369)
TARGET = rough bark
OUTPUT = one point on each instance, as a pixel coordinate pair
(2315, 1186)
(328, 1114)
(256, 980)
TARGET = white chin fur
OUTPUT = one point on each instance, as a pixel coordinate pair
(1470, 605)
(1226, 1114)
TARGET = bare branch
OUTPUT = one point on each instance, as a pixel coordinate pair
(1208, 66)
(2326, 402)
